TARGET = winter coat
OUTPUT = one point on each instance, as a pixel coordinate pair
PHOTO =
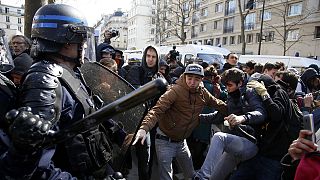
(177, 111)
(140, 75)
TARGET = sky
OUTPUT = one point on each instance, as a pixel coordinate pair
(92, 9)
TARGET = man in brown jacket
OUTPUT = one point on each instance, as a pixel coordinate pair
(177, 112)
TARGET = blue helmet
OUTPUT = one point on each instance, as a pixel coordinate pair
(57, 24)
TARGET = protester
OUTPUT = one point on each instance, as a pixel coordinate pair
(232, 61)
(177, 113)
(20, 44)
(275, 137)
(245, 111)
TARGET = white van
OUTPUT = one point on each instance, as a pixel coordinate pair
(188, 52)
(299, 63)
(136, 54)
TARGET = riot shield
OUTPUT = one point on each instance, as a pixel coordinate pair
(109, 87)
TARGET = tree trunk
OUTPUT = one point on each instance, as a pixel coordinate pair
(243, 39)
(31, 7)
(183, 37)
(242, 18)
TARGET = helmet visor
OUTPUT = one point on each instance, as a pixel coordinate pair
(6, 62)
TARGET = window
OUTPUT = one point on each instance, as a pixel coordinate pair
(154, 2)
(230, 7)
(239, 39)
(232, 40)
(258, 37)
(218, 8)
(295, 9)
(317, 32)
(153, 21)
(224, 40)
(250, 21)
(153, 11)
(8, 26)
(7, 18)
(228, 25)
(249, 4)
(19, 20)
(204, 12)
(6, 10)
(269, 36)
(266, 16)
(152, 31)
(196, 4)
(19, 28)
(185, 6)
(217, 41)
(203, 27)
(215, 24)
(249, 38)
(19, 11)
(293, 35)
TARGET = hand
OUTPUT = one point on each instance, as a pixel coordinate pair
(301, 145)
(216, 90)
(141, 134)
(259, 87)
(308, 100)
(27, 130)
(234, 119)
(126, 142)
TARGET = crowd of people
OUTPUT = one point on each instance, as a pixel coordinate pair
(239, 121)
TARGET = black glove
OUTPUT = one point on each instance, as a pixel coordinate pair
(27, 130)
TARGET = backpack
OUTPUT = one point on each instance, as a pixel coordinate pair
(293, 122)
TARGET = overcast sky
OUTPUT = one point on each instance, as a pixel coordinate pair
(92, 9)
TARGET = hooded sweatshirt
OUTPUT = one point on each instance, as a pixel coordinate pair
(177, 111)
(140, 75)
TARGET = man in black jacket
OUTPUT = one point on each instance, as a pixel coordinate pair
(275, 140)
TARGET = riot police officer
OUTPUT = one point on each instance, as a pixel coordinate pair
(55, 89)
(21, 132)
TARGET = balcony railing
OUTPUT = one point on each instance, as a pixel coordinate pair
(228, 29)
(193, 35)
(249, 26)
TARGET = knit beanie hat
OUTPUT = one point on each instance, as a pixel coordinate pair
(22, 64)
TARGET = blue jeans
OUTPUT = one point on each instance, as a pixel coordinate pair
(259, 168)
(166, 151)
(225, 152)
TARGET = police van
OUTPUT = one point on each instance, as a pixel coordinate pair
(299, 63)
(191, 52)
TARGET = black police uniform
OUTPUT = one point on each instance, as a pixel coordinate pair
(18, 163)
(59, 95)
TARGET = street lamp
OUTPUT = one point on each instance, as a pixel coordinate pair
(261, 26)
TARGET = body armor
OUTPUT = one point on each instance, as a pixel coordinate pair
(85, 152)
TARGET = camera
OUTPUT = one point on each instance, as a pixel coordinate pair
(114, 33)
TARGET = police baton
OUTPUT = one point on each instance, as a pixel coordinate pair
(136, 97)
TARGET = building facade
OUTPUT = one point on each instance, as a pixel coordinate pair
(289, 27)
(141, 24)
(12, 19)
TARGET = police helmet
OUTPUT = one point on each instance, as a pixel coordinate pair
(57, 24)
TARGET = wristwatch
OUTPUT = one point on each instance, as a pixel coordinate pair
(265, 97)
